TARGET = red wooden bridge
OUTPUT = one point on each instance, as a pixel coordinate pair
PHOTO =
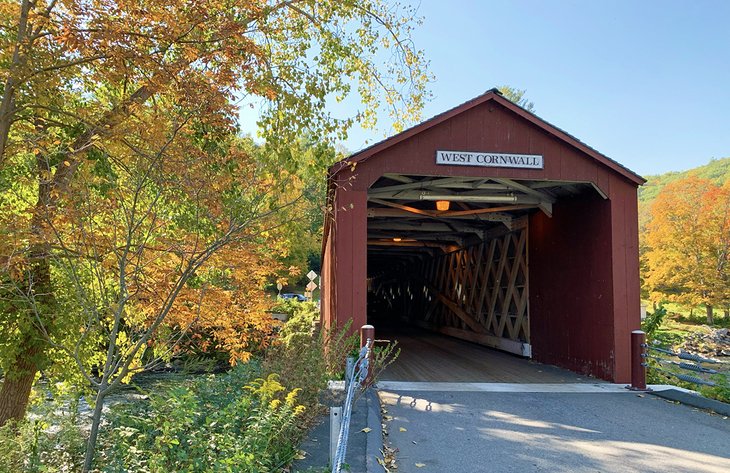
(488, 224)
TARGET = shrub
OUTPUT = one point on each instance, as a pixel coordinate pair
(231, 422)
(653, 321)
(305, 359)
(50, 441)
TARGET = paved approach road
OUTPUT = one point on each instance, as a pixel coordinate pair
(473, 431)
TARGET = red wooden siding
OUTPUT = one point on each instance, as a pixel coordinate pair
(584, 268)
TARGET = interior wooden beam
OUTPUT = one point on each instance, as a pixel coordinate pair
(466, 318)
(484, 215)
(409, 226)
(398, 177)
(415, 244)
(547, 208)
(525, 189)
(478, 185)
(425, 237)
(488, 210)
(407, 208)
(512, 346)
(413, 185)
(382, 251)
(467, 196)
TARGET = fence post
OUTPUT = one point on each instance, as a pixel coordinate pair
(638, 361)
(335, 426)
(367, 332)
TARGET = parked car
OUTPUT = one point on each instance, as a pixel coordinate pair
(291, 295)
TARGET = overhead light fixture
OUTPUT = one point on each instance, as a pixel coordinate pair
(397, 239)
(442, 205)
(497, 199)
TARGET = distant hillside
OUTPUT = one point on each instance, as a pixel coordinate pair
(717, 170)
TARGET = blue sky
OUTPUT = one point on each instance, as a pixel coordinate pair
(647, 83)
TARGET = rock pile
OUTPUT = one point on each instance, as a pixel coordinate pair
(715, 343)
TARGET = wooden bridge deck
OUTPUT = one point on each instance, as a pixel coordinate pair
(427, 356)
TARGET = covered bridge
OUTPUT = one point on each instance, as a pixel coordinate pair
(489, 224)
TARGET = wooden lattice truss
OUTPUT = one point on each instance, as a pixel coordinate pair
(461, 271)
(479, 293)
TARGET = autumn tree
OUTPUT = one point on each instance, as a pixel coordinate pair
(688, 244)
(307, 158)
(119, 179)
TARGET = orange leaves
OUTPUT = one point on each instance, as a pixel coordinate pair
(688, 239)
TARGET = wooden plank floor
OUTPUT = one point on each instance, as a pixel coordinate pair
(427, 356)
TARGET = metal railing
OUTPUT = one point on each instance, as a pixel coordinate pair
(357, 376)
(642, 352)
(695, 367)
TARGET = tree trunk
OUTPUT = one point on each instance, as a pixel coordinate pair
(17, 385)
(710, 314)
(727, 314)
(14, 397)
(18, 382)
(94, 434)
(38, 291)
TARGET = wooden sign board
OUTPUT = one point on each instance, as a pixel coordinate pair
(486, 159)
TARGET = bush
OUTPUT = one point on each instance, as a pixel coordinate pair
(305, 359)
(231, 422)
(51, 441)
(249, 419)
(653, 321)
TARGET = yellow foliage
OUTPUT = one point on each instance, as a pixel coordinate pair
(688, 240)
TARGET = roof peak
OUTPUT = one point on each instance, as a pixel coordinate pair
(497, 96)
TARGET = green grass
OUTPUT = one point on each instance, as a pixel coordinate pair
(691, 317)
(679, 323)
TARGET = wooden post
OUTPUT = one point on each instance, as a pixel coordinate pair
(367, 332)
(638, 359)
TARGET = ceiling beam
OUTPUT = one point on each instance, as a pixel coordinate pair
(448, 183)
(482, 216)
(469, 196)
(491, 214)
(525, 189)
(489, 210)
(414, 185)
(408, 244)
(450, 237)
(407, 208)
(438, 227)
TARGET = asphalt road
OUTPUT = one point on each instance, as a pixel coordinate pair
(437, 431)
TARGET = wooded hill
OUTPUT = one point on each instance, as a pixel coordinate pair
(717, 170)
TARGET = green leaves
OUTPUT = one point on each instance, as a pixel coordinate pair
(230, 422)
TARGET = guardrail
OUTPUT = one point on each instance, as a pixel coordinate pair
(357, 375)
(640, 356)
